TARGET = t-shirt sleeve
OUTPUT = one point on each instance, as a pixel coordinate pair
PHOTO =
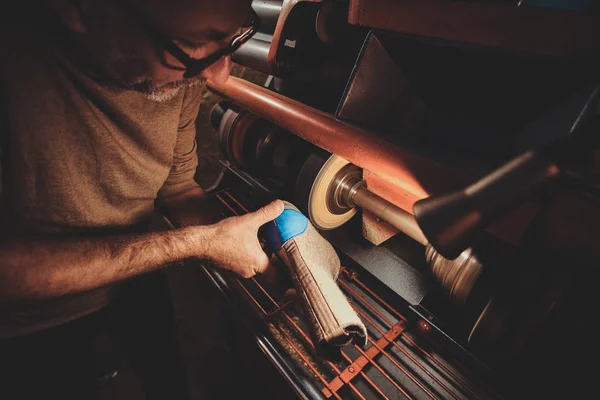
(185, 158)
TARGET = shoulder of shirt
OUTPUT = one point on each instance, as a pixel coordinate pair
(195, 88)
(193, 92)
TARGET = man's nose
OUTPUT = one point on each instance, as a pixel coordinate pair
(219, 71)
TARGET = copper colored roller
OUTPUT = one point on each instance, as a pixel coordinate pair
(411, 172)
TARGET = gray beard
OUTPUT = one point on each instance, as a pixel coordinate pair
(162, 95)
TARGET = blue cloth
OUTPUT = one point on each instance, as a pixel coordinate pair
(288, 225)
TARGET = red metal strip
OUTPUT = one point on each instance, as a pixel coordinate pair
(367, 379)
(356, 367)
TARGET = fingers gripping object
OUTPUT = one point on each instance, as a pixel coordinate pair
(314, 266)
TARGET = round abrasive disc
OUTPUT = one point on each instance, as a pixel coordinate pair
(321, 171)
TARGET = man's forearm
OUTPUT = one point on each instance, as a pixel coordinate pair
(47, 268)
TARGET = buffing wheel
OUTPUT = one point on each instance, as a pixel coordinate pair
(236, 139)
(314, 190)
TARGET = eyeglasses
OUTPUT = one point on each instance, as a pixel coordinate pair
(193, 66)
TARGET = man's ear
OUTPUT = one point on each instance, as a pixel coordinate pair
(70, 13)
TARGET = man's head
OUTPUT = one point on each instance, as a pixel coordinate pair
(125, 39)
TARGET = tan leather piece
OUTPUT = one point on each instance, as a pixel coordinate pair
(314, 265)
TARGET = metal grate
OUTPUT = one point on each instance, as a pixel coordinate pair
(397, 363)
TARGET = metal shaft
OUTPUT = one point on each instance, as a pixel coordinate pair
(457, 276)
(359, 195)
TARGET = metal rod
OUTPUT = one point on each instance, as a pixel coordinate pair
(390, 213)
(279, 309)
(265, 292)
(463, 384)
(417, 175)
(393, 382)
(237, 202)
(366, 378)
(366, 289)
(252, 297)
(355, 294)
(424, 369)
(226, 204)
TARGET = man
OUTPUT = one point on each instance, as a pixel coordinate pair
(99, 99)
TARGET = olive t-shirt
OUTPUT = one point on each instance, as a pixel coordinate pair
(80, 158)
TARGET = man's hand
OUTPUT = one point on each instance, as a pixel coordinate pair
(236, 246)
